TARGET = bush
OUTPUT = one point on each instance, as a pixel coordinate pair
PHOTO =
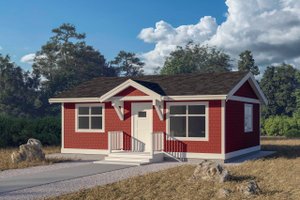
(16, 131)
(293, 133)
(282, 126)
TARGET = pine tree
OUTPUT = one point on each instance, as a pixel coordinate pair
(247, 63)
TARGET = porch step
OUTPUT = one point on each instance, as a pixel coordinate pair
(131, 158)
(130, 155)
(119, 162)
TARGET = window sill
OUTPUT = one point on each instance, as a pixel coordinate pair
(192, 138)
(89, 131)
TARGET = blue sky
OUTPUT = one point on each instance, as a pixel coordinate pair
(153, 29)
(110, 25)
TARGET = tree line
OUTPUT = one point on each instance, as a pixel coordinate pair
(66, 60)
(63, 62)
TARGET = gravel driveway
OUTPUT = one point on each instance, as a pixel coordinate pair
(57, 179)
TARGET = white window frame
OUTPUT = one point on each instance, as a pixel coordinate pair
(77, 130)
(206, 104)
(246, 106)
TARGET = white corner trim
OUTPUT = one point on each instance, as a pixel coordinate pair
(241, 152)
(75, 100)
(223, 126)
(194, 97)
(84, 151)
(244, 99)
(127, 84)
(62, 125)
(254, 86)
(131, 98)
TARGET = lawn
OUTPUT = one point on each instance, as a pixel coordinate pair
(5, 161)
(278, 176)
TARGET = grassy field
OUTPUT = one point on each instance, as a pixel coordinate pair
(5, 161)
(278, 177)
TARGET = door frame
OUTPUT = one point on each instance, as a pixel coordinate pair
(132, 119)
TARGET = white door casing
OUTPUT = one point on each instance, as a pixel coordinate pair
(142, 125)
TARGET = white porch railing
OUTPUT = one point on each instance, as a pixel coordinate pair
(115, 140)
(170, 145)
(160, 142)
(137, 145)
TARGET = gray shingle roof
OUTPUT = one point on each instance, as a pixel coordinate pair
(184, 84)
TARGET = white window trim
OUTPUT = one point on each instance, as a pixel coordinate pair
(206, 104)
(251, 106)
(89, 130)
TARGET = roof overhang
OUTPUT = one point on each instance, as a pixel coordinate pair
(153, 96)
(74, 100)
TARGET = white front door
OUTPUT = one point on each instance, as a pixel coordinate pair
(141, 126)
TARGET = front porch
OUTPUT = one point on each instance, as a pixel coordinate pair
(126, 149)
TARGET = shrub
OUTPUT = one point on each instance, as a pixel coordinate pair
(293, 133)
(16, 131)
(281, 126)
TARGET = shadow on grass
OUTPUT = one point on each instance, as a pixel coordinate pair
(284, 151)
(241, 178)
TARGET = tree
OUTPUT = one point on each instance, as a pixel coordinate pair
(279, 84)
(65, 61)
(127, 64)
(17, 89)
(247, 63)
(297, 96)
(196, 58)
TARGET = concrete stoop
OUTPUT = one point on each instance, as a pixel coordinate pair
(131, 158)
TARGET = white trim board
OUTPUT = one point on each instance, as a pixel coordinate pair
(223, 126)
(84, 151)
(194, 97)
(204, 155)
(244, 99)
(75, 100)
(62, 125)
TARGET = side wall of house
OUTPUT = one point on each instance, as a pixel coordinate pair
(235, 136)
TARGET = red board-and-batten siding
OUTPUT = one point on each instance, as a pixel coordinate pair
(235, 137)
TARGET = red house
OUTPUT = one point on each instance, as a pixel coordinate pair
(144, 119)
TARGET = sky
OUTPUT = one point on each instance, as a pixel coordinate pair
(152, 29)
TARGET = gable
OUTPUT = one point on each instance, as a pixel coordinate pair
(246, 91)
(131, 91)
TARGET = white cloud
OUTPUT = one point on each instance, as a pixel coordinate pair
(28, 58)
(269, 28)
(1, 48)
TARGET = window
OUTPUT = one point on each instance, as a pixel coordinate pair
(89, 118)
(248, 118)
(142, 114)
(188, 120)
